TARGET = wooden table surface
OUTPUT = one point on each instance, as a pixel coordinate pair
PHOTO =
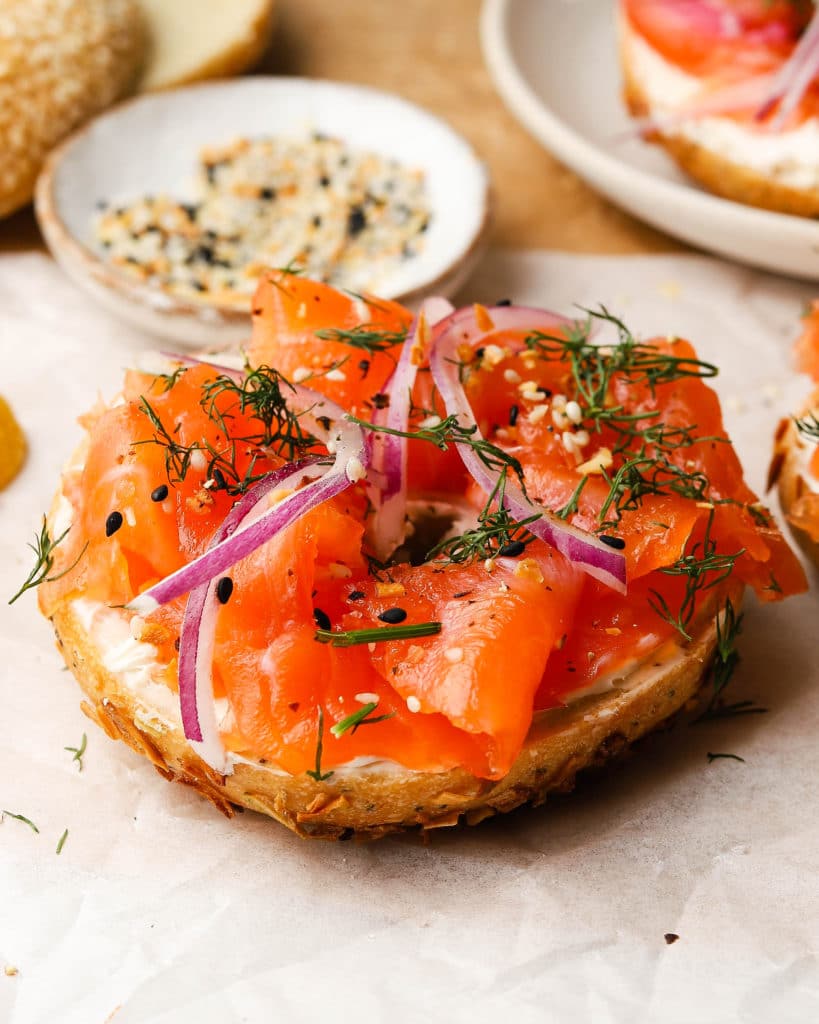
(429, 51)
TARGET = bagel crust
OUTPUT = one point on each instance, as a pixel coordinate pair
(371, 801)
(789, 471)
(714, 171)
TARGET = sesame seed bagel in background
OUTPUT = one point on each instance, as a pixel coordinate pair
(371, 801)
(62, 62)
(194, 40)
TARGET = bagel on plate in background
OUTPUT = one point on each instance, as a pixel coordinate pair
(730, 88)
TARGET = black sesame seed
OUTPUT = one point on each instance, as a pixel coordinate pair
(356, 221)
(160, 493)
(267, 193)
(224, 588)
(325, 421)
(364, 366)
(513, 415)
(479, 352)
(177, 644)
(356, 595)
(504, 302)
(393, 616)
(324, 181)
(322, 619)
(613, 542)
(218, 478)
(512, 549)
(113, 523)
(204, 253)
(190, 210)
(381, 401)
(316, 221)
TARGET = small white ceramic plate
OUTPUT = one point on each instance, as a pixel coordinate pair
(151, 145)
(555, 64)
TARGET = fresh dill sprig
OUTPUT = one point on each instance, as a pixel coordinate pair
(726, 660)
(20, 817)
(177, 456)
(380, 634)
(263, 392)
(703, 568)
(44, 548)
(808, 427)
(495, 530)
(78, 751)
(359, 718)
(368, 337)
(61, 842)
(317, 773)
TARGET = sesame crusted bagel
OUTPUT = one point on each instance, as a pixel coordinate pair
(793, 471)
(194, 40)
(63, 60)
(396, 571)
(370, 801)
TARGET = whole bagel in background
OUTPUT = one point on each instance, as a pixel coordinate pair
(61, 61)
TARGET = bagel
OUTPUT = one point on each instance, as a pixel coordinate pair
(371, 801)
(731, 156)
(237, 602)
(798, 488)
(62, 63)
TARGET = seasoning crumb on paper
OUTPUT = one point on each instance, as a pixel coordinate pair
(670, 938)
(11, 971)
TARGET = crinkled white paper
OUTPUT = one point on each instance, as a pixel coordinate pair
(160, 911)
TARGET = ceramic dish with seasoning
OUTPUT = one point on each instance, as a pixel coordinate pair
(167, 208)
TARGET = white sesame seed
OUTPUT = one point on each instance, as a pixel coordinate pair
(489, 564)
(512, 376)
(537, 413)
(367, 698)
(413, 704)
(336, 374)
(430, 421)
(371, 648)
(198, 461)
(454, 654)
(569, 442)
(339, 571)
(559, 419)
(574, 412)
(527, 385)
(302, 311)
(128, 515)
(301, 373)
(493, 354)
(355, 470)
(581, 438)
(332, 445)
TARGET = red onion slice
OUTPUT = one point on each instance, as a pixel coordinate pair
(794, 77)
(462, 328)
(197, 637)
(388, 524)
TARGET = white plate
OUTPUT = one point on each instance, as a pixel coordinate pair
(151, 145)
(555, 64)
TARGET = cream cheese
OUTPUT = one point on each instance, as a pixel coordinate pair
(790, 158)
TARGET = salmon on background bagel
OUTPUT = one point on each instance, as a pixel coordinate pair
(730, 88)
(398, 572)
(795, 463)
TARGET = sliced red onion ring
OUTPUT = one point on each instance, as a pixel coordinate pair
(197, 637)
(794, 77)
(387, 527)
(463, 328)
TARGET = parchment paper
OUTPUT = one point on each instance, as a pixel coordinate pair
(159, 910)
